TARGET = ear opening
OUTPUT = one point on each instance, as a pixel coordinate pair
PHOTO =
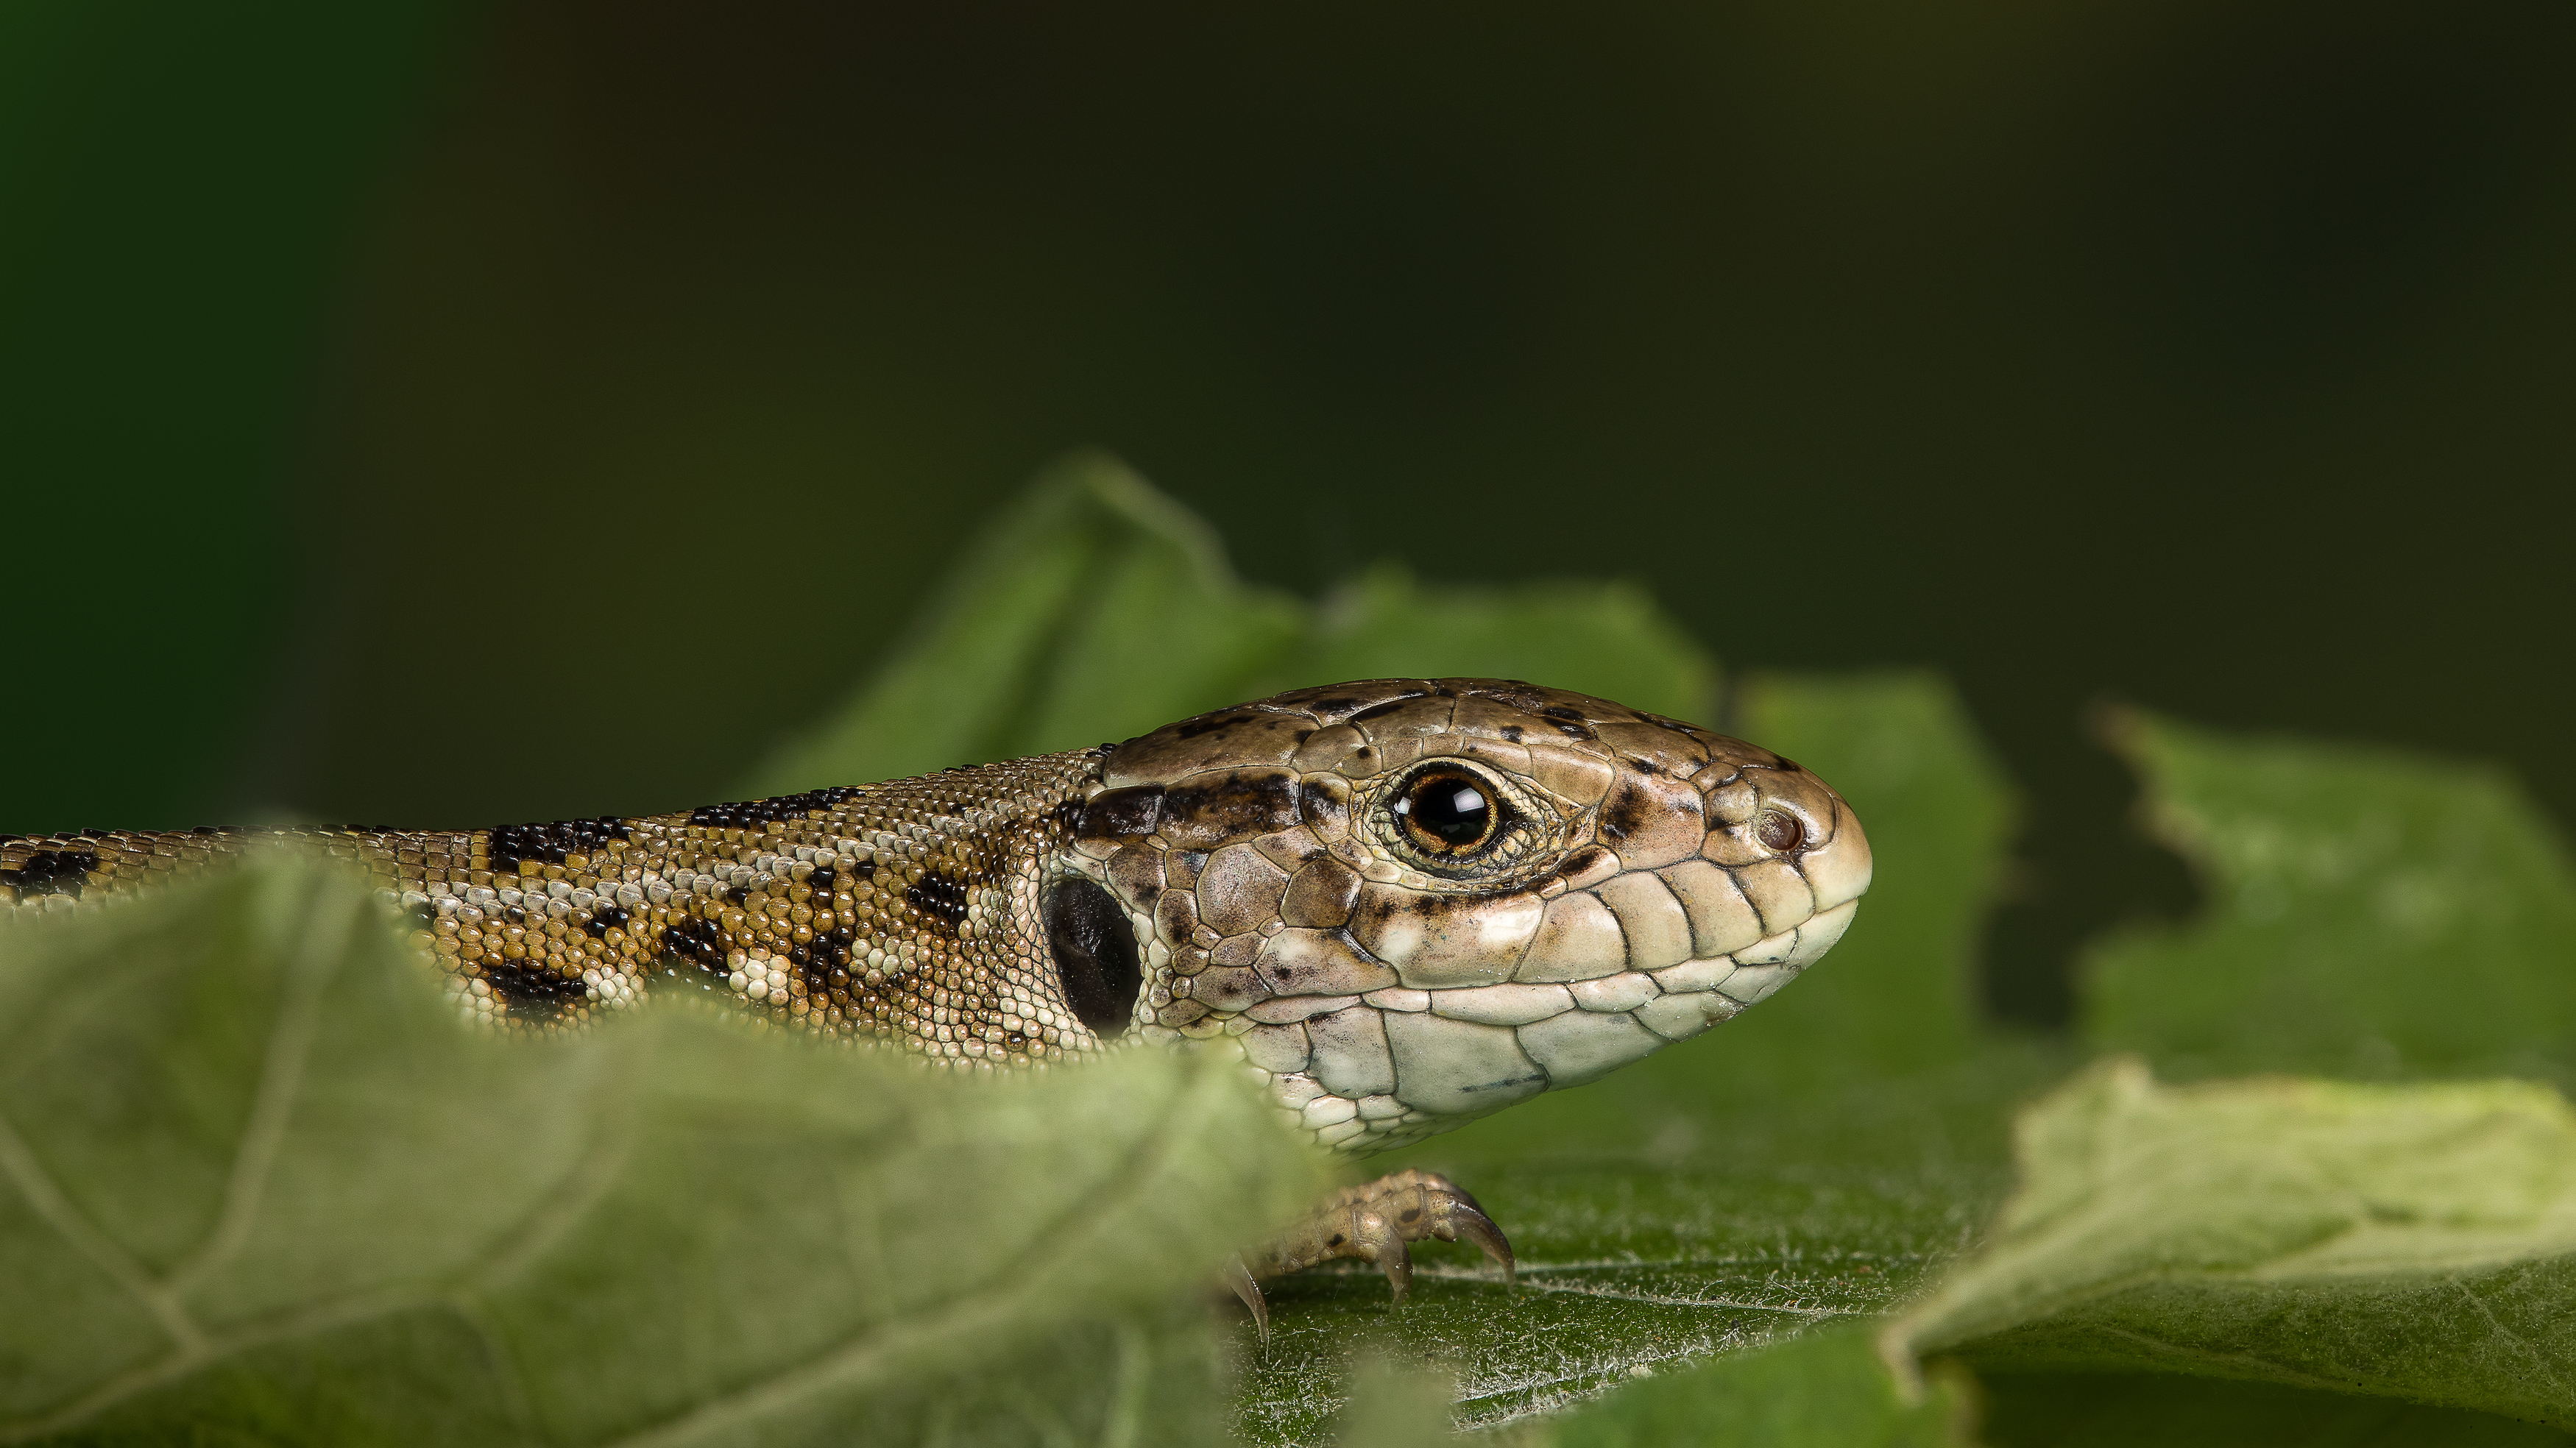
(1097, 964)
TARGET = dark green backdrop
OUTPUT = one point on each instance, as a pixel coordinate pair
(406, 411)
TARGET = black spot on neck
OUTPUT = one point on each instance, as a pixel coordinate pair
(534, 993)
(1067, 814)
(742, 814)
(941, 899)
(551, 844)
(51, 872)
(697, 941)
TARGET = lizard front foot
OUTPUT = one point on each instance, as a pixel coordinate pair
(1371, 1222)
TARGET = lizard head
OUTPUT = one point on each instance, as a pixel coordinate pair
(1412, 902)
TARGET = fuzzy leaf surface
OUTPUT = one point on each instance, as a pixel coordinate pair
(2371, 914)
(2413, 1241)
(256, 1181)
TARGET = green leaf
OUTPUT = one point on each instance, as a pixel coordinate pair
(1094, 609)
(1826, 1390)
(2158, 1410)
(2412, 1241)
(2371, 914)
(1807, 1164)
(255, 1181)
(1603, 639)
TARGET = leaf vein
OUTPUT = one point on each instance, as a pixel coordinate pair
(281, 1076)
(47, 1199)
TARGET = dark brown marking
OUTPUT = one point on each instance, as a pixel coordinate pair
(51, 872)
(743, 814)
(534, 993)
(1327, 812)
(1626, 811)
(1235, 805)
(1120, 813)
(697, 941)
(549, 844)
(941, 899)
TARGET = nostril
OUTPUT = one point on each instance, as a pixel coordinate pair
(1779, 832)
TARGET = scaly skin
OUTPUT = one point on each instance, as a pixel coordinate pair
(1406, 902)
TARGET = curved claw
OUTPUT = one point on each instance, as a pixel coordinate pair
(1466, 1219)
(1239, 1277)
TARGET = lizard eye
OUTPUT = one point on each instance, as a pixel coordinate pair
(1446, 813)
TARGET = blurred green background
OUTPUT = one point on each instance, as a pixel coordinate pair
(461, 414)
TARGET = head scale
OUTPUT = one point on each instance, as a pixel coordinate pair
(1411, 902)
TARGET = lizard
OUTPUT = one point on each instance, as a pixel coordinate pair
(1406, 903)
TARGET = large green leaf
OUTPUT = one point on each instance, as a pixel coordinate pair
(1807, 1164)
(1823, 1158)
(256, 1182)
(2411, 1241)
(2371, 914)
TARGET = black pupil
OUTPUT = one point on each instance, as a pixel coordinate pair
(1450, 810)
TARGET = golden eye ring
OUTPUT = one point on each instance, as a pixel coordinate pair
(1447, 813)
